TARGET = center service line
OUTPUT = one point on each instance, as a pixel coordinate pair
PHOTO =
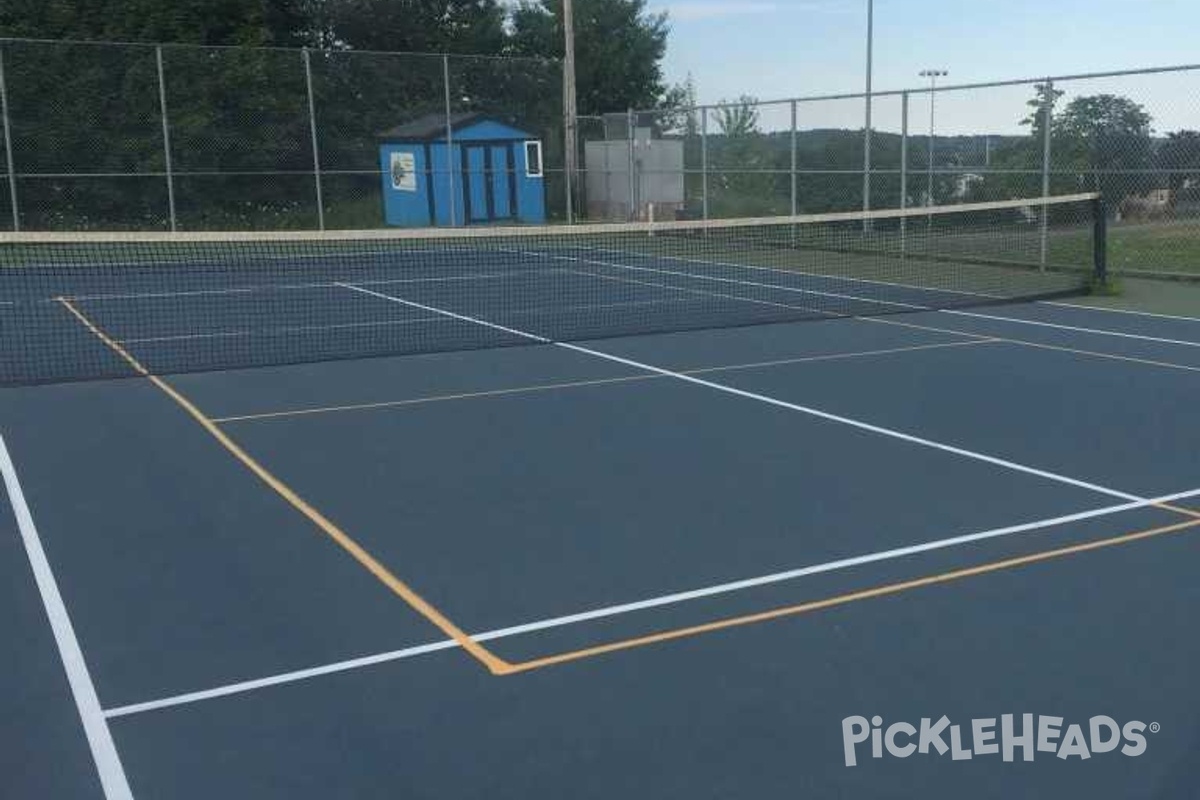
(762, 398)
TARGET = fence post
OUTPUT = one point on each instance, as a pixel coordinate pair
(794, 198)
(704, 161)
(631, 135)
(1047, 120)
(166, 134)
(8, 153)
(449, 141)
(866, 185)
(570, 108)
(903, 170)
(570, 142)
(312, 132)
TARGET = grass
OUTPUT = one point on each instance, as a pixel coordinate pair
(1155, 247)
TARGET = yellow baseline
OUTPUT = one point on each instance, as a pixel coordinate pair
(494, 664)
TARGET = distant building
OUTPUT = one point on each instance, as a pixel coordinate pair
(489, 172)
(656, 181)
(964, 183)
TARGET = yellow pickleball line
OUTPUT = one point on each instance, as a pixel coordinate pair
(842, 599)
(423, 607)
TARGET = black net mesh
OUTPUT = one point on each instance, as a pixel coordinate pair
(81, 306)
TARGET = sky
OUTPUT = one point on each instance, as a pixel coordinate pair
(793, 48)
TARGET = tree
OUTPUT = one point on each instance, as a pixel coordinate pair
(1045, 96)
(1106, 139)
(418, 26)
(743, 162)
(619, 48)
(216, 22)
(739, 118)
(1179, 158)
(680, 113)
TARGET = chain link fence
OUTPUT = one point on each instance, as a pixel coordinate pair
(1133, 135)
(177, 137)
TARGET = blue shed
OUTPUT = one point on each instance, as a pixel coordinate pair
(490, 172)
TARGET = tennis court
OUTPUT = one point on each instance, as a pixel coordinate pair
(642, 512)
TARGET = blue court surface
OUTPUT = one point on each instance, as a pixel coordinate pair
(655, 566)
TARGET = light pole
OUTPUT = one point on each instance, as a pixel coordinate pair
(933, 75)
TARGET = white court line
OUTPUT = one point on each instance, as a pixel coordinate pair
(279, 287)
(1097, 331)
(533, 310)
(1130, 311)
(95, 724)
(282, 329)
(806, 273)
(762, 398)
(720, 295)
(641, 376)
(755, 284)
(640, 605)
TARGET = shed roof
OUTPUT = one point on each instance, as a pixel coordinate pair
(432, 126)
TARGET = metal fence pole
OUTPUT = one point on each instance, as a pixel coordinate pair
(631, 135)
(570, 110)
(569, 151)
(8, 153)
(866, 199)
(166, 134)
(449, 142)
(312, 132)
(903, 169)
(1047, 120)
(794, 197)
(704, 162)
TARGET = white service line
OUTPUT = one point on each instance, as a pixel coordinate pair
(1097, 331)
(736, 281)
(762, 398)
(701, 292)
(640, 605)
(789, 271)
(1129, 311)
(95, 724)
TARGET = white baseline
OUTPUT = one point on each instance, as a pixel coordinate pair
(639, 605)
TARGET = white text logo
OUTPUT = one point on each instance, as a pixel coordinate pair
(982, 737)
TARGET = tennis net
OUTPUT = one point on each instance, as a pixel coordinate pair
(77, 306)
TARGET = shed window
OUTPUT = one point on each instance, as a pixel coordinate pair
(533, 159)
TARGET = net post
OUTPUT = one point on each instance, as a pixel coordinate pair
(166, 135)
(8, 150)
(1100, 240)
(1047, 119)
(903, 170)
(704, 162)
(793, 170)
(449, 141)
(312, 132)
